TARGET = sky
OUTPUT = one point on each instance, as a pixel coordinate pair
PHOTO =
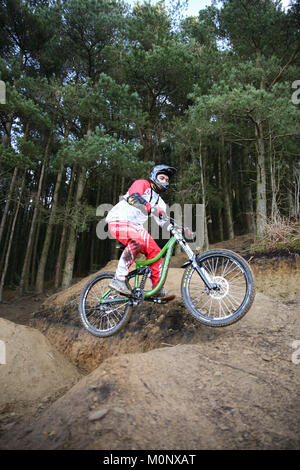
(196, 5)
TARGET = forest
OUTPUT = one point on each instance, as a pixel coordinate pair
(99, 91)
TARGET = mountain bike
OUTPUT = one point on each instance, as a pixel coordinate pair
(217, 287)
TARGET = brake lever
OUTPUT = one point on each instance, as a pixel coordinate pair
(189, 235)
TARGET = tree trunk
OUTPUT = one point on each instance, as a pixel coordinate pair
(147, 143)
(10, 192)
(12, 184)
(226, 195)
(294, 191)
(25, 270)
(11, 239)
(220, 216)
(39, 285)
(31, 278)
(274, 206)
(6, 138)
(247, 195)
(114, 250)
(205, 238)
(261, 204)
(250, 220)
(60, 258)
(220, 224)
(237, 205)
(296, 171)
(93, 234)
(71, 249)
(122, 185)
(228, 214)
(6, 240)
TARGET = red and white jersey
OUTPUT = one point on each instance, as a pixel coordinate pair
(126, 212)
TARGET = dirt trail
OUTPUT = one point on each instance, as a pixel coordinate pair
(33, 373)
(166, 381)
(174, 398)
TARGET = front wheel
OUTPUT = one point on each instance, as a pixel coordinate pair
(234, 292)
(97, 314)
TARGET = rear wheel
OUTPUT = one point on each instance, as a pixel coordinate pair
(234, 294)
(99, 318)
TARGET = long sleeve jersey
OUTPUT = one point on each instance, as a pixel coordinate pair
(123, 211)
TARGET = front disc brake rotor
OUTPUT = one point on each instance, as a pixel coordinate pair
(222, 289)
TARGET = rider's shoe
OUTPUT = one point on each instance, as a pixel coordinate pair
(163, 294)
(120, 286)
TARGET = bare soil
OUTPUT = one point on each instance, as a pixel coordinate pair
(165, 381)
(34, 371)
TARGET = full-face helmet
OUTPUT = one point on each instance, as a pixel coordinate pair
(158, 186)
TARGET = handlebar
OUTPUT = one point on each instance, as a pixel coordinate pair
(185, 231)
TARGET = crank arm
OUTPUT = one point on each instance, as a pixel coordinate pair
(114, 301)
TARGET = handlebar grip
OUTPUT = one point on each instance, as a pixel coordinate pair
(189, 234)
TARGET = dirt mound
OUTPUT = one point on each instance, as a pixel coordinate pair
(72, 294)
(33, 370)
(154, 326)
(166, 381)
(184, 397)
(277, 275)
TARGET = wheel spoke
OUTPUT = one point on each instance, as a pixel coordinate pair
(102, 317)
(223, 302)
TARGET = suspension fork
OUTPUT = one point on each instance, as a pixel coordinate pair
(202, 272)
(194, 262)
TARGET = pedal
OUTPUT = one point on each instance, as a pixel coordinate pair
(168, 298)
(162, 300)
(158, 301)
(120, 292)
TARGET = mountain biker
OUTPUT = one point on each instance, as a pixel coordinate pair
(125, 223)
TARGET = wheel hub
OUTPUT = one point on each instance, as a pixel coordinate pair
(222, 288)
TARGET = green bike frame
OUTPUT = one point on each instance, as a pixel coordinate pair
(139, 264)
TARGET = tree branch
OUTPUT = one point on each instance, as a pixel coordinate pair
(285, 67)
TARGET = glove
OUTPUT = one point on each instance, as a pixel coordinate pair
(188, 233)
(158, 212)
(138, 201)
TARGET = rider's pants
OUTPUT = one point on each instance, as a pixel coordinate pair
(136, 241)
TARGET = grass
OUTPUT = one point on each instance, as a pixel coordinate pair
(281, 233)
